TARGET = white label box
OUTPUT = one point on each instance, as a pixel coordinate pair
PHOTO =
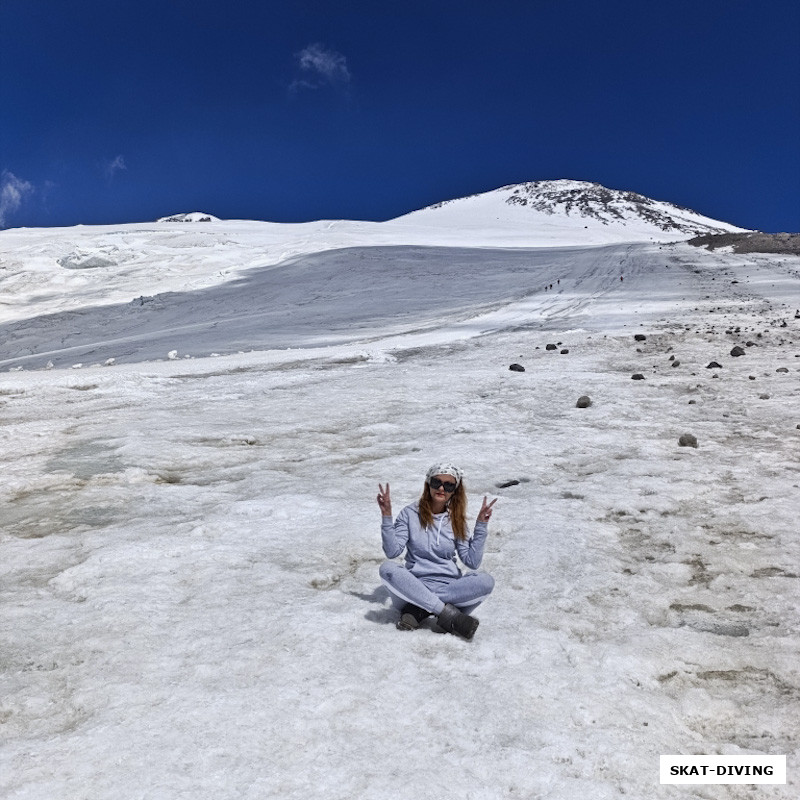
(723, 769)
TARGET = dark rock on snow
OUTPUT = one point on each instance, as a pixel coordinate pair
(751, 242)
(688, 440)
(517, 368)
(584, 401)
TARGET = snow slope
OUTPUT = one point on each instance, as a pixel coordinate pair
(357, 295)
(565, 213)
(58, 269)
(189, 600)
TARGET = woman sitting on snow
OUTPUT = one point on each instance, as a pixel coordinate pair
(431, 532)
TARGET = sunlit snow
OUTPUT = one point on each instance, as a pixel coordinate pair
(190, 599)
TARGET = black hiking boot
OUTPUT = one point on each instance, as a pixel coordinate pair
(454, 621)
(410, 617)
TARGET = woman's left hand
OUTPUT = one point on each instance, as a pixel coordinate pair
(485, 514)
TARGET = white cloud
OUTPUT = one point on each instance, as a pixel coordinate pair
(13, 192)
(321, 67)
(111, 168)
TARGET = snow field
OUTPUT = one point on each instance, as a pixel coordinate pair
(193, 552)
(190, 600)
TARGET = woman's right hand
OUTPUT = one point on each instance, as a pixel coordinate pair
(385, 500)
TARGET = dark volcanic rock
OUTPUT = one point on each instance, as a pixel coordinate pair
(637, 377)
(737, 351)
(640, 337)
(753, 242)
(714, 365)
(551, 347)
(688, 440)
(584, 401)
(517, 368)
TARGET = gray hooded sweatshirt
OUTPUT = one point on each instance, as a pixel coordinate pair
(431, 552)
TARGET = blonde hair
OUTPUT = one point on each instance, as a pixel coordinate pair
(456, 507)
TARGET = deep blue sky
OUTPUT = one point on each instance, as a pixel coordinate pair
(127, 110)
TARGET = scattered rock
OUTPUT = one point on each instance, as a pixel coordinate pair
(551, 347)
(584, 401)
(564, 352)
(676, 363)
(714, 365)
(506, 484)
(782, 369)
(640, 337)
(752, 242)
(637, 377)
(517, 368)
(763, 397)
(688, 440)
(737, 351)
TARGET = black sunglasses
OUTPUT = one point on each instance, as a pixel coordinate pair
(449, 487)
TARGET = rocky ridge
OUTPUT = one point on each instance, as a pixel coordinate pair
(752, 242)
(583, 200)
(192, 216)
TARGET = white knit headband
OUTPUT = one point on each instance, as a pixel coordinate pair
(443, 468)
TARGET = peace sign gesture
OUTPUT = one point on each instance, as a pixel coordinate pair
(485, 514)
(385, 500)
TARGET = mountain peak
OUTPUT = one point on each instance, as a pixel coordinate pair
(594, 201)
(192, 216)
(578, 205)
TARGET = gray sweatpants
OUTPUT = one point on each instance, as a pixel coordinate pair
(465, 593)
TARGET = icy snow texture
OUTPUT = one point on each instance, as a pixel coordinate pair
(189, 601)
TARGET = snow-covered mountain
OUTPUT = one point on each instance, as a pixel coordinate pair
(192, 216)
(190, 604)
(593, 201)
(57, 269)
(558, 210)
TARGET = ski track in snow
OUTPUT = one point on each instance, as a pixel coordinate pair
(190, 600)
(343, 295)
